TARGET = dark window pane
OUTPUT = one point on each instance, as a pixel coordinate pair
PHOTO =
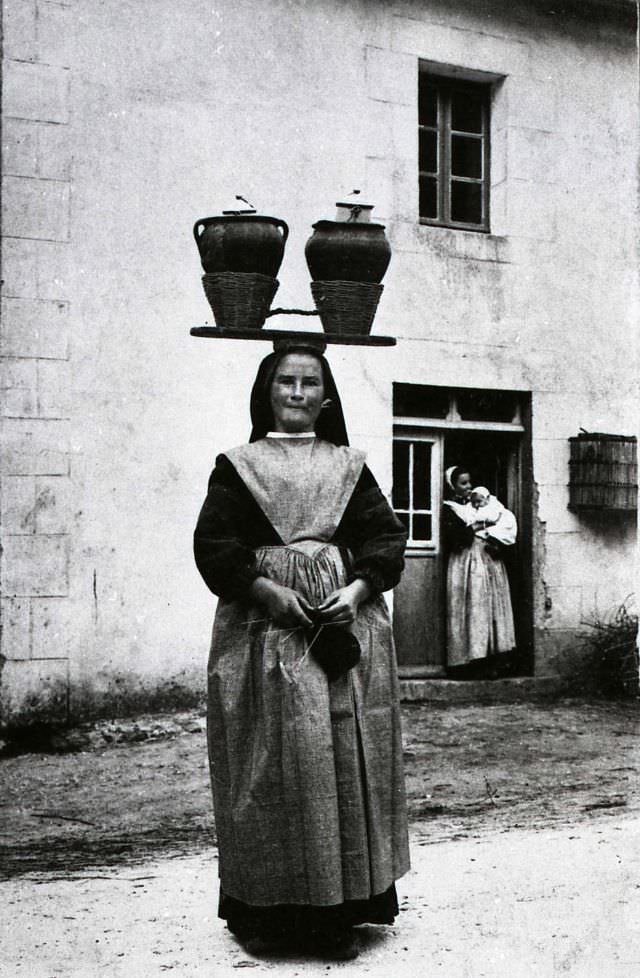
(421, 527)
(401, 474)
(428, 197)
(466, 202)
(428, 159)
(421, 475)
(427, 102)
(486, 405)
(404, 519)
(466, 111)
(420, 401)
(466, 156)
(453, 116)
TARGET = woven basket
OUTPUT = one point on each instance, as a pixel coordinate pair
(239, 300)
(346, 307)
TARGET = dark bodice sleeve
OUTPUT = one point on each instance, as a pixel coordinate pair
(455, 534)
(373, 534)
(229, 527)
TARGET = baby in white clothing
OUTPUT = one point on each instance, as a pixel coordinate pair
(490, 520)
(491, 510)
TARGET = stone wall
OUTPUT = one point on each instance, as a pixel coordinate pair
(123, 123)
(547, 302)
(36, 315)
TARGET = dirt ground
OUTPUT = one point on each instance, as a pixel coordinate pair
(471, 770)
(548, 903)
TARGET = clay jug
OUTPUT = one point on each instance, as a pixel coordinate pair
(352, 250)
(241, 241)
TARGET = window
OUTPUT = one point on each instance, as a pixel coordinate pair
(420, 401)
(413, 492)
(453, 118)
(446, 407)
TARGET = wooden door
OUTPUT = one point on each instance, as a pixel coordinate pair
(418, 617)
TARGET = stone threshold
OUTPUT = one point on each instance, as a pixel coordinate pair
(512, 690)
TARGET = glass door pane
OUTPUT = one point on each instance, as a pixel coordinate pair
(416, 471)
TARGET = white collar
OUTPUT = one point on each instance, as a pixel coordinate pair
(291, 434)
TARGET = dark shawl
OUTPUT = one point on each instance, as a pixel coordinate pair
(231, 525)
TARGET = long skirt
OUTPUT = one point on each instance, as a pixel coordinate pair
(479, 611)
(306, 774)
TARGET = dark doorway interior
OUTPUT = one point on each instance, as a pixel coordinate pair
(494, 459)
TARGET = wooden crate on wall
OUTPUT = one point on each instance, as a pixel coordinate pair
(603, 472)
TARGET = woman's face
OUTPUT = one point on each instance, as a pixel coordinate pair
(297, 393)
(463, 485)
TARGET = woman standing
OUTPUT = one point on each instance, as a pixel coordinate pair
(304, 728)
(479, 612)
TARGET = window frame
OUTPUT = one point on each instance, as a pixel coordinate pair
(445, 87)
(431, 545)
(453, 418)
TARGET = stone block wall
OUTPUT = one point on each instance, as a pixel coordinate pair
(34, 347)
(547, 302)
(120, 129)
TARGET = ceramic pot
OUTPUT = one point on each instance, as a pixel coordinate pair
(241, 242)
(348, 251)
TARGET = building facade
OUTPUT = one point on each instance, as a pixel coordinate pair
(499, 144)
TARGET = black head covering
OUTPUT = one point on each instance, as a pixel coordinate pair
(330, 425)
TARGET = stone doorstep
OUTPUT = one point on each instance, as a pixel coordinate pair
(514, 690)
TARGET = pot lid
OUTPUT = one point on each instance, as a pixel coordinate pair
(249, 209)
(353, 212)
(353, 204)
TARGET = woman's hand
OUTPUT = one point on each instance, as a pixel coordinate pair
(341, 607)
(283, 604)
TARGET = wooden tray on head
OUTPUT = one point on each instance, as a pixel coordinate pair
(340, 339)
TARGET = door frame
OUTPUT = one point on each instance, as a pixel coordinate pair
(428, 550)
(435, 430)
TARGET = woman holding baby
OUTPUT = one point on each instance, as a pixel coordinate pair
(477, 529)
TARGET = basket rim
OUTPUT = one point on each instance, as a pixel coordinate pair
(337, 282)
(601, 436)
(238, 276)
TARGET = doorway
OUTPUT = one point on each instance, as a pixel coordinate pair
(434, 428)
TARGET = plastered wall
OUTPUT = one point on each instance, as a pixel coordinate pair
(123, 123)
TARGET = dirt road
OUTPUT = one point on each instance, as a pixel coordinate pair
(525, 904)
(470, 770)
(525, 837)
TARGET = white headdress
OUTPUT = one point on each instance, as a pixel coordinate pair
(447, 476)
